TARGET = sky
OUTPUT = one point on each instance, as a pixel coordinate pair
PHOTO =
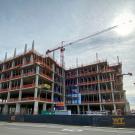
(48, 22)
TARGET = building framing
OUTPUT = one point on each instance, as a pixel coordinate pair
(99, 86)
(31, 83)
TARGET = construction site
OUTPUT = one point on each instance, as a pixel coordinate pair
(31, 83)
(96, 87)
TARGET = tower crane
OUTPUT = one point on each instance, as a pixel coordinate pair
(63, 46)
(62, 49)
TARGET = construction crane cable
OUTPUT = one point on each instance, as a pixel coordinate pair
(81, 39)
(87, 37)
(95, 34)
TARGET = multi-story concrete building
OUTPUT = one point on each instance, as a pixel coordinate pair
(30, 83)
(96, 87)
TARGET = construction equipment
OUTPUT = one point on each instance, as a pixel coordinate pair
(62, 47)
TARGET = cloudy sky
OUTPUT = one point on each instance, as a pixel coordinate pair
(49, 22)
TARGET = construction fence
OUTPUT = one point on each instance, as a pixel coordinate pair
(83, 120)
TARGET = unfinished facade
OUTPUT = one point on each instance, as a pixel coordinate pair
(96, 87)
(30, 83)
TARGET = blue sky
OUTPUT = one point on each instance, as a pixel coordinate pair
(49, 22)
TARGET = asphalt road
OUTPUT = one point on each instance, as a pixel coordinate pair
(53, 129)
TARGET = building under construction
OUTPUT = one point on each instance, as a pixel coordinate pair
(96, 87)
(31, 83)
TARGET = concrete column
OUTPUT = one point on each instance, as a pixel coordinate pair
(24, 60)
(52, 98)
(3, 66)
(14, 53)
(78, 109)
(11, 75)
(5, 56)
(10, 84)
(25, 48)
(36, 82)
(31, 58)
(37, 76)
(2, 76)
(21, 84)
(37, 69)
(20, 95)
(99, 93)
(5, 109)
(8, 96)
(77, 81)
(114, 105)
(64, 93)
(35, 108)
(13, 63)
(44, 106)
(36, 93)
(17, 110)
(21, 73)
